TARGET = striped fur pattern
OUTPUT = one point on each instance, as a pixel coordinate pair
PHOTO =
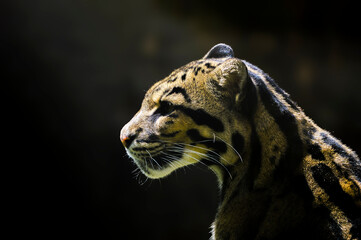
(280, 175)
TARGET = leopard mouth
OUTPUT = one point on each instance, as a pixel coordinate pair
(158, 161)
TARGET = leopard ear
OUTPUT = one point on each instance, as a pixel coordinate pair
(220, 50)
(231, 75)
(230, 79)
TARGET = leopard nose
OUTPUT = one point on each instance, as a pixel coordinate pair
(127, 139)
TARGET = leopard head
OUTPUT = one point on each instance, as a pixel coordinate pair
(190, 117)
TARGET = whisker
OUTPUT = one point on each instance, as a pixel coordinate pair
(192, 158)
(210, 140)
(208, 157)
(170, 156)
(139, 178)
(169, 159)
(202, 164)
(174, 160)
(207, 149)
(150, 155)
(212, 159)
(239, 155)
(193, 153)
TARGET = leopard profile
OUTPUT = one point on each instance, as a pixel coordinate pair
(280, 175)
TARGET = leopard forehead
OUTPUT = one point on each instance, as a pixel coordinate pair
(187, 82)
(194, 69)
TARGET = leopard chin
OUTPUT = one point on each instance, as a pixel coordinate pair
(160, 164)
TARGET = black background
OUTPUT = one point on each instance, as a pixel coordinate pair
(76, 71)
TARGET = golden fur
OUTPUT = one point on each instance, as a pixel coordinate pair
(280, 175)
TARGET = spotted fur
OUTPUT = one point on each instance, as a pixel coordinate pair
(280, 175)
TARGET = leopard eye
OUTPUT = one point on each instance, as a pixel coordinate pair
(165, 108)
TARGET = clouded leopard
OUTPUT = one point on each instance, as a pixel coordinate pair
(280, 175)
